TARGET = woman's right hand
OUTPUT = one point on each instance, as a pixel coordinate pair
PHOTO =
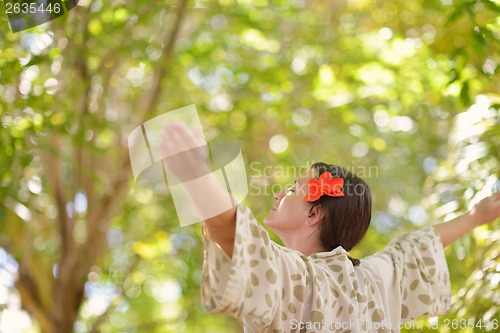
(184, 151)
(186, 156)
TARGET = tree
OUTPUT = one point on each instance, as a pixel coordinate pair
(362, 84)
(59, 143)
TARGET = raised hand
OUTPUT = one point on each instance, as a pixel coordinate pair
(486, 210)
(185, 152)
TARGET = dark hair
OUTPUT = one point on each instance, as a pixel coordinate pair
(345, 219)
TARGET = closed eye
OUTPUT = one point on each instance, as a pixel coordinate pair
(291, 190)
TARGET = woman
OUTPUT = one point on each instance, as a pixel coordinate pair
(311, 284)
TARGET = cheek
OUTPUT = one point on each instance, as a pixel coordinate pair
(295, 207)
(287, 204)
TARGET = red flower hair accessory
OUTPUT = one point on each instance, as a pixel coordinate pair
(325, 185)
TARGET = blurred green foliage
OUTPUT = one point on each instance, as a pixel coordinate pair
(404, 93)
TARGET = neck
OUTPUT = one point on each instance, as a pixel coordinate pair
(305, 241)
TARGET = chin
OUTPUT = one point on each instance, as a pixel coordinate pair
(268, 221)
(266, 218)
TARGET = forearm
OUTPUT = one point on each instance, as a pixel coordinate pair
(485, 211)
(452, 230)
(185, 156)
(216, 208)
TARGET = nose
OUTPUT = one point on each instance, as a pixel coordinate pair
(278, 196)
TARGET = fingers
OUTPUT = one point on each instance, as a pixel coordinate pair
(488, 209)
(168, 144)
(184, 152)
(176, 137)
(493, 199)
(183, 135)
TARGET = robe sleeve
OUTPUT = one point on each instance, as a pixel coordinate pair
(413, 275)
(246, 285)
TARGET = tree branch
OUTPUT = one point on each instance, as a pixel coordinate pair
(99, 220)
(52, 170)
(30, 300)
(100, 319)
(151, 100)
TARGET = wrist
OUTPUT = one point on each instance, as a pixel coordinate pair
(473, 219)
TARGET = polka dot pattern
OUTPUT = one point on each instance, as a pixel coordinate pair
(271, 287)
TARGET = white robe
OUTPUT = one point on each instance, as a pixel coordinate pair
(276, 289)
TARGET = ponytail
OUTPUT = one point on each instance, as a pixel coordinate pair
(355, 262)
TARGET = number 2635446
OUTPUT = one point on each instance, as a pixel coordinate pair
(32, 8)
(471, 323)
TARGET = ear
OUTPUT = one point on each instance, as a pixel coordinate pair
(315, 216)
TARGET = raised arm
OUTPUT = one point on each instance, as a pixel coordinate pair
(485, 211)
(187, 158)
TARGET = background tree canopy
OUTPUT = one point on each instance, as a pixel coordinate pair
(407, 90)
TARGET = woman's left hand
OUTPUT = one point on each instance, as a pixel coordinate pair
(486, 210)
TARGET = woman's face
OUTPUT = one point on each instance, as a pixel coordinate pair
(291, 209)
